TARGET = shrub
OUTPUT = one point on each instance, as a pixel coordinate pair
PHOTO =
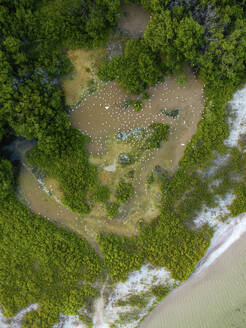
(159, 133)
(124, 192)
(86, 320)
(172, 113)
(181, 79)
(145, 95)
(91, 83)
(160, 291)
(134, 300)
(131, 174)
(102, 194)
(112, 210)
(150, 179)
(137, 105)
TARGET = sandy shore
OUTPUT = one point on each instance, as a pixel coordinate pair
(215, 296)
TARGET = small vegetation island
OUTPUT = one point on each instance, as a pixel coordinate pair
(112, 113)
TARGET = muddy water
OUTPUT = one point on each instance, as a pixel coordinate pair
(31, 191)
(133, 21)
(102, 114)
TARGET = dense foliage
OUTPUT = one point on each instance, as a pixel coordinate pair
(239, 205)
(71, 168)
(207, 34)
(122, 255)
(136, 70)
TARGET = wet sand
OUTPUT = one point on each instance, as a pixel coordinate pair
(213, 298)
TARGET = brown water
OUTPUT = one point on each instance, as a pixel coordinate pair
(133, 21)
(102, 113)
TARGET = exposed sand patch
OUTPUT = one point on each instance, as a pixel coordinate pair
(86, 63)
(133, 21)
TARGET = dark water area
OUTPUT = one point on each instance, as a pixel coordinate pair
(16, 148)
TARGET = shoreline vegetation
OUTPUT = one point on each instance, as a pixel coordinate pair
(48, 265)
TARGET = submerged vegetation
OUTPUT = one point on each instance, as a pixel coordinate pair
(42, 263)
